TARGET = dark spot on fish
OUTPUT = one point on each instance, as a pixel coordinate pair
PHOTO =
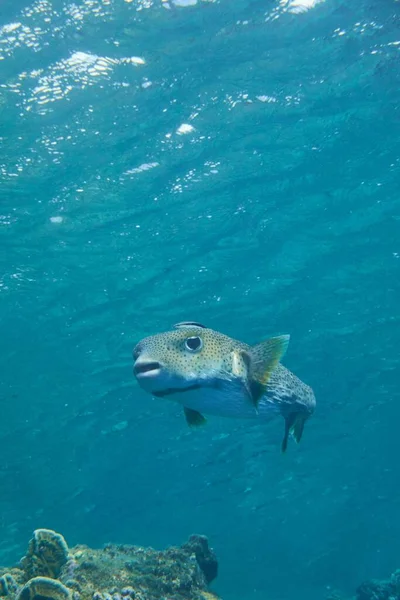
(196, 386)
(189, 324)
(170, 391)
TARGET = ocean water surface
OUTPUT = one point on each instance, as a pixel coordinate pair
(233, 162)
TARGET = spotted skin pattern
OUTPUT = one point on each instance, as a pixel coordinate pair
(213, 358)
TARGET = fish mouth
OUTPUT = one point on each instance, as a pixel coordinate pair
(148, 368)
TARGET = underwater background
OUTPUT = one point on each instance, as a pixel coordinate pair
(236, 163)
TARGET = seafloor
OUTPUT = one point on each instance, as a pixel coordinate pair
(51, 570)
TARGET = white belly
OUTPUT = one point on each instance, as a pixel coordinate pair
(229, 402)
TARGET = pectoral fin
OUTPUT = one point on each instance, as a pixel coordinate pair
(264, 358)
(241, 367)
(254, 367)
(193, 417)
(240, 364)
(294, 424)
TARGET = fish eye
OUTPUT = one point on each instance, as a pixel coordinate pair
(194, 343)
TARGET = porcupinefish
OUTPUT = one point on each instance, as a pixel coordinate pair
(208, 372)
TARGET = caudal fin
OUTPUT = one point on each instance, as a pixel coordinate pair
(294, 424)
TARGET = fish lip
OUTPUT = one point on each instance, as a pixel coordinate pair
(150, 368)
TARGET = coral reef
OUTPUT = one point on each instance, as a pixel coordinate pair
(380, 589)
(198, 545)
(52, 571)
(47, 554)
(44, 587)
(373, 589)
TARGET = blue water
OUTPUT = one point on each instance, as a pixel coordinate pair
(231, 162)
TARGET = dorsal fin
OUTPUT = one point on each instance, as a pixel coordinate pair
(189, 324)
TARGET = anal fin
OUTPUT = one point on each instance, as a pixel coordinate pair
(298, 427)
(193, 417)
(294, 424)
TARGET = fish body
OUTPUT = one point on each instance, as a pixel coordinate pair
(210, 373)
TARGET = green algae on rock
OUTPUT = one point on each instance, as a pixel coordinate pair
(52, 571)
